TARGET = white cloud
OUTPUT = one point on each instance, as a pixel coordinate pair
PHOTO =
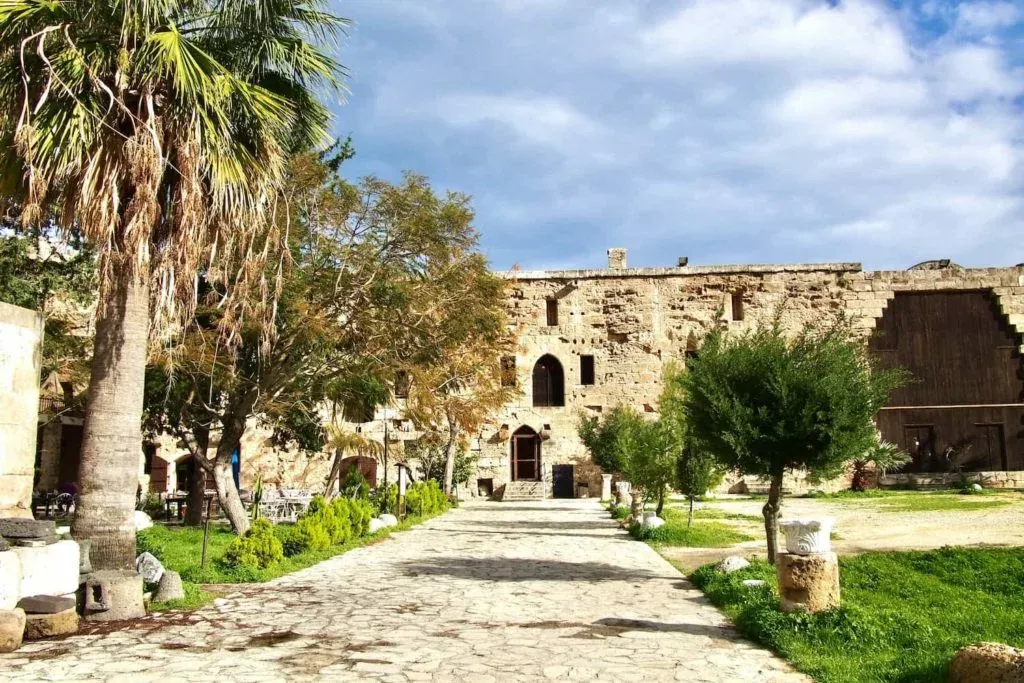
(754, 130)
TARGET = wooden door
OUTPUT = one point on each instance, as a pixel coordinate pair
(562, 481)
(525, 456)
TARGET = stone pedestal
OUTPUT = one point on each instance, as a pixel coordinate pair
(10, 579)
(113, 595)
(49, 570)
(808, 583)
(606, 487)
(20, 359)
(39, 626)
(987, 663)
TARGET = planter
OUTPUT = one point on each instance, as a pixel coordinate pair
(808, 536)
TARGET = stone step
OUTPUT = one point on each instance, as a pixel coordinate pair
(516, 491)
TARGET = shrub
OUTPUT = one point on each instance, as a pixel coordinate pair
(385, 499)
(310, 534)
(259, 548)
(426, 498)
(360, 513)
(355, 486)
(619, 511)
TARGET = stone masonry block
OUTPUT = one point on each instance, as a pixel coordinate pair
(39, 626)
(10, 579)
(50, 570)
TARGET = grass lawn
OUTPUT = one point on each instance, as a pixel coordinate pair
(904, 615)
(703, 533)
(922, 501)
(181, 549)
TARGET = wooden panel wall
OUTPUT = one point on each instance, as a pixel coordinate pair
(967, 366)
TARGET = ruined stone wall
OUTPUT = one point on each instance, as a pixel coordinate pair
(635, 321)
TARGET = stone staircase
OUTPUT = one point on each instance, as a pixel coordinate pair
(523, 490)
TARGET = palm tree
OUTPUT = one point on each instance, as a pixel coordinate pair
(161, 129)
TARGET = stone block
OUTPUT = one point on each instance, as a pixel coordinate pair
(170, 588)
(50, 570)
(46, 604)
(12, 529)
(987, 663)
(12, 629)
(113, 595)
(808, 583)
(34, 542)
(149, 567)
(731, 564)
(4, 545)
(10, 580)
(39, 626)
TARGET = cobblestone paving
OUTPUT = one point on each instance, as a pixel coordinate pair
(485, 593)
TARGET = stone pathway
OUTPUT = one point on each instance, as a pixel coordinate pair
(488, 592)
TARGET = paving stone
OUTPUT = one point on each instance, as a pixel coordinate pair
(474, 594)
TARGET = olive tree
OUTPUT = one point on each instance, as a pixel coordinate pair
(766, 403)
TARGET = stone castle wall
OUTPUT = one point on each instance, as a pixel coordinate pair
(635, 321)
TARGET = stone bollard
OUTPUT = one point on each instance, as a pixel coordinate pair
(606, 487)
(808, 572)
(113, 595)
(12, 629)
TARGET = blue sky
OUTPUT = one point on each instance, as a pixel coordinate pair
(729, 131)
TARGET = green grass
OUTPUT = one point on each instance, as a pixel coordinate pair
(703, 534)
(904, 615)
(195, 597)
(920, 501)
(180, 549)
(712, 513)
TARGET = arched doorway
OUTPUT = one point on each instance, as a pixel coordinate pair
(525, 455)
(548, 382)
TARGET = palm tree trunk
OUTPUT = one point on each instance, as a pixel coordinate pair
(771, 516)
(112, 438)
(335, 474)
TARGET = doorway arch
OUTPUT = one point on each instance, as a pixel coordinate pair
(548, 382)
(525, 455)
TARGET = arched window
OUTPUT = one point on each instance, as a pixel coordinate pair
(548, 382)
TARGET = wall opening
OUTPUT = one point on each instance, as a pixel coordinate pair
(548, 382)
(552, 312)
(587, 370)
(737, 306)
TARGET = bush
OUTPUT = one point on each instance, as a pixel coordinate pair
(259, 548)
(360, 513)
(355, 486)
(426, 498)
(385, 499)
(619, 511)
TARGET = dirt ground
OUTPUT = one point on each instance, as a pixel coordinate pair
(868, 524)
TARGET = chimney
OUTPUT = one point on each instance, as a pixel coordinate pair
(617, 258)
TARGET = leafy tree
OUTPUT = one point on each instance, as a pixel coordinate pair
(161, 128)
(696, 473)
(429, 451)
(373, 272)
(765, 404)
(643, 451)
(51, 271)
(882, 456)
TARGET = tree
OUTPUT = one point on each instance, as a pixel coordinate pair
(454, 371)
(696, 474)
(429, 451)
(372, 271)
(766, 404)
(161, 129)
(642, 450)
(882, 456)
(51, 271)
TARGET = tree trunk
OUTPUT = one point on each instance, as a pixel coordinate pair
(449, 456)
(661, 502)
(771, 516)
(232, 429)
(112, 438)
(197, 485)
(227, 496)
(335, 474)
(689, 519)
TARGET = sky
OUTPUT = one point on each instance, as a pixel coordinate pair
(727, 131)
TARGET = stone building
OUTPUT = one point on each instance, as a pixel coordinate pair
(593, 339)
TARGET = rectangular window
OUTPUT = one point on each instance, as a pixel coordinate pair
(737, 305)
(552, 311)
(508, 371)
(586, 370)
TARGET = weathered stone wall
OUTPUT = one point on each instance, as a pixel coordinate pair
(20, 359)
(635, 321)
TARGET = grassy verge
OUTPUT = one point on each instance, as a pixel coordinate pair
(904, 615)
(921, 501)
(180, 549)
(702, 534)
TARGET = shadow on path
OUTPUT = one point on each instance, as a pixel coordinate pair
(522, 569)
